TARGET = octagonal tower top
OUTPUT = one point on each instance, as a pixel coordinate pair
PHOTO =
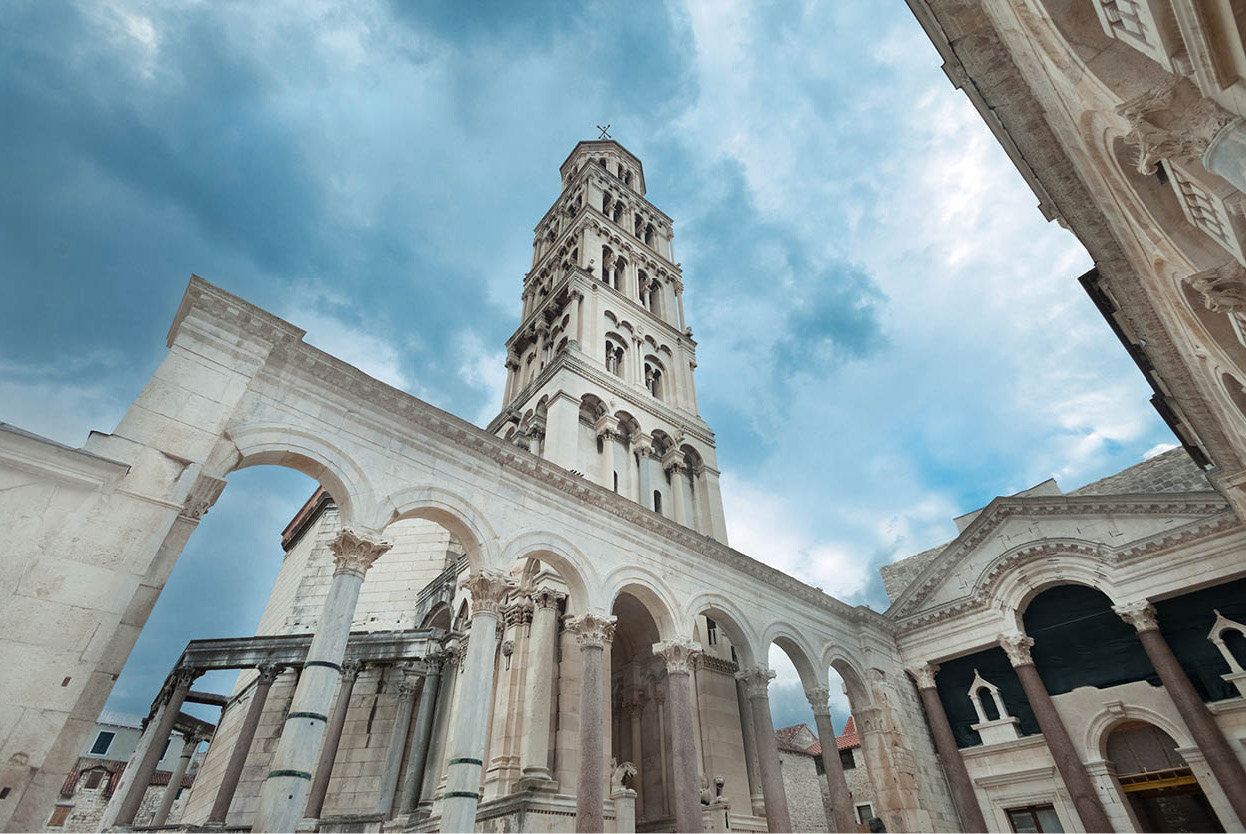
(609, 155)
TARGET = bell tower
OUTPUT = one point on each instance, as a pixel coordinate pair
(600, 370)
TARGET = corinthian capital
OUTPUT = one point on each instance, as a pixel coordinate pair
(1017, 647)
(1171, 121)
(819, 700)
(592, 630)
(1140, 614)
(756, 681)
(354, 553)
(1223, 287)
(488, 589)
(678, 655)
(546, 598)
(924, 674)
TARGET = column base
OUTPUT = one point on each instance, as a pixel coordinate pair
(308, 825)
(542, 784)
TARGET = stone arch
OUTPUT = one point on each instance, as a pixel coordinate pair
(797, 650)
(574, 568)
(650, 589)
(1235, 391)
(1017, 576)
(451, 511)
(734, 623)
(860, 697)
(1098, 728)
(293, 448)
(440, 615)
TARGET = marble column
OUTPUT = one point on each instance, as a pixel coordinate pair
(189, 743)
(434, 762)
(971, 818)
(592, 633)
(757, 688)
(488, 590)
(577, 317)
(1072, 772)
(756, 799)
(1223, 762)
(242, 745)
(634, 710)
(678, 655)
(841, 798)
(659, 697)
(328, 750)
(643, 446)
(539, 690)
(606, 436)
(126, 801)
(283, 795)
(679, 496)
(408, 686)
(421, 737)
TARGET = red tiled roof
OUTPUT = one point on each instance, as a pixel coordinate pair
(849, 738)
(786, 738)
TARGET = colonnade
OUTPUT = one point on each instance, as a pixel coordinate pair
(1223, 763)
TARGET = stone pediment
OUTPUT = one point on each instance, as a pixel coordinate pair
(1010, 531)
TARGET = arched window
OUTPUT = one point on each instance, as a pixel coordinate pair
(614, 357)
(653, 379)
(616, 481)
(638, 229)
(648, 234)
(618, 211)
(617, 276)
(657, 502)
(605, 203)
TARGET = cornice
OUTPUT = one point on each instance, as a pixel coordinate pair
(1000, 510)
(908, 619)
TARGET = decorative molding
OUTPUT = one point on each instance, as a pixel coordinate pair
(203, 494)
(756, 681)
(1017, 647)
(924, 674)
(591, 630)
(819, 700)
(1191, 130)
(354, 553)
(677, 655)
(488, 589)
(1139, 613)
(1223, 288)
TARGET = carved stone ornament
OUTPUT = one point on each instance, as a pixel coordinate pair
(1223, 288)
(546, 598)
(677, 655)
(1017, 647)
(756, 681)
(592, 630)
(352, 668)
(819, 700)
(924, 674)
(202, 496)
(269, 672)
(620, 772)
(488, 589)
(353, 553)
(1185, 134)
(1140, 614)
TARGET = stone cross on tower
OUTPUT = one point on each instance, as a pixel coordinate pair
(600, 370)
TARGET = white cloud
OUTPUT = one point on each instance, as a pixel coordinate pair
(484, 370)
(1158, 449)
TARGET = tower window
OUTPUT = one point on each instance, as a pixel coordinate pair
(657, 502)
(711, 632)
(653, 380)
(616, 482)
(614, 358)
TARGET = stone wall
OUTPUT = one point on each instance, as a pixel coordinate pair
(89, 803)
(807, 794)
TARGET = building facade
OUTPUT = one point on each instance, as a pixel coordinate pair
(540, 626)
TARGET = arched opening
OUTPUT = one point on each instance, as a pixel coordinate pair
(1158, 784)
(1080, 641)
(615, 353)
(655, 378)
(639, 729)
(1236, 391)
(1221, 328)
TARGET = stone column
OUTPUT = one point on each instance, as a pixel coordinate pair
(421, 737)
(539, 690)
(756, 799)
(124, 807)
(643, 446)
(634, 709)
(592, 633)
(577, 314)
(971, 819)
(841, 798)
(189, 743)
(242, 745)
(283, 795)
(757, 688)
(1081, 789)
(512, 377)
(678, 496)
(679, 301)
(434, 762)
(475, 693)
(678, 655)
(659, 697)
(407, 688)
(328, 750)
(1224, 763)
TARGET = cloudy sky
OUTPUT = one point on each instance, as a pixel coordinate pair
(890, 334)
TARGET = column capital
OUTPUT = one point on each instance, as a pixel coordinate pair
(269, 672)
(924, 674)
(1223, 288)
(354, 553)
(1140, 614)
(488, 589)
(592, 630)
(756, 681)
(351, 669)
(1017, 647)
(678, 655)
(819, 697)
(546, 597)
